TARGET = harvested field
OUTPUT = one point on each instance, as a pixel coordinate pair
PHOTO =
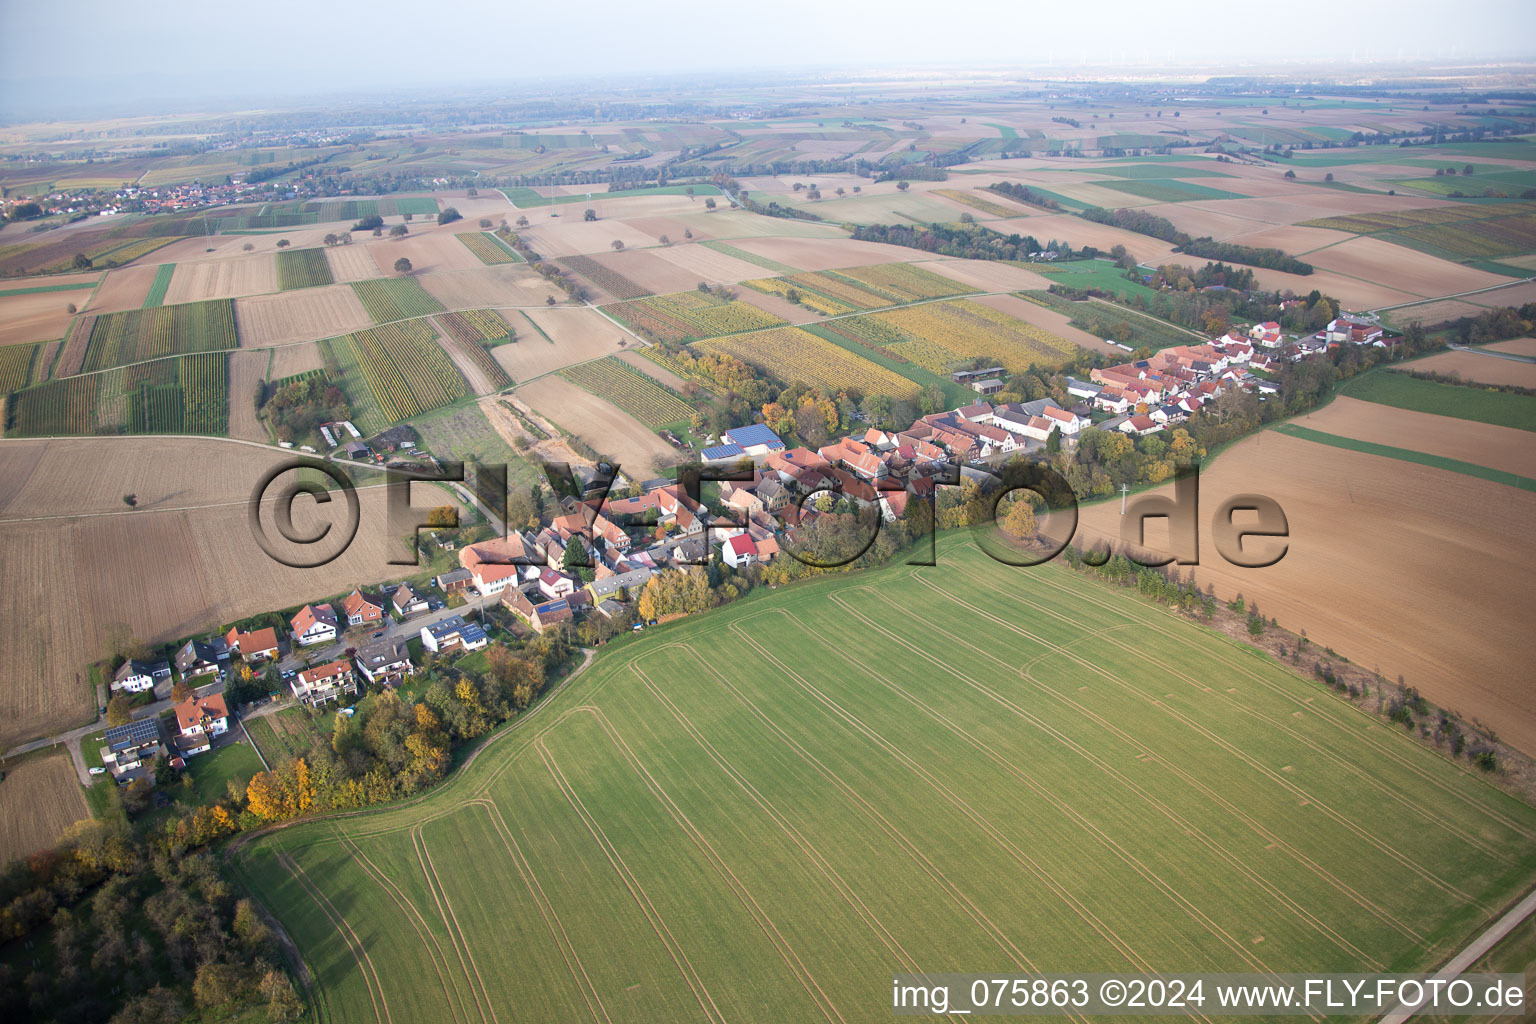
(60, 282)
(125, 288)
(39, 798)
(187, 564)
(247, 370)
(571, 236)
(429, 252)
(1086, 232)
(1519, 346)
(1510, 295)
(229, 278)
(1384, 263)
(1400, 586)
(351, 263)
(651, 270)
(609, 430)
(703, 263)
(508, 285)
(813, 254)
(291, 360)
(1437, 311)
(72, 358)
(549, 339)
(304, 315)
(990, 275)
(1482, 444)
(1288, 238)
(38, 317)
(1353, 292)
(1483, 369)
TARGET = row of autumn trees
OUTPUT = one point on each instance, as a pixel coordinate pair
(391, 747)
(121, 931)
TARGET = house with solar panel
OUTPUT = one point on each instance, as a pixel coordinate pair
(754, 439)
(132, 746)
(453, 634)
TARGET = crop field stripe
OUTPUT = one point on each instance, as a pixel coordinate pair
(1007, 766)
(1240, 755)
(1212, 845)
(763, 920)
(483, 999)
(409, 912)
(1386, 451)
(158, 287)
(750, 257)
(42, 288)
(663, 933)
(913, 851)
(348, 936)
(547, 909)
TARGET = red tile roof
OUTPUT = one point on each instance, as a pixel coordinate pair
(200, 711)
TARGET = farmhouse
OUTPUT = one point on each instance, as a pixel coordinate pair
(362, 608)
(257, 645)
(539, 616)
(324, 683)
(738, 552)
(199, 720)
(554, 584)
(386, 661)
(314, 624)
(493, 564)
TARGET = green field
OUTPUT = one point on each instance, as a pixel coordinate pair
(158, 287)
(395, 298)
(749, 817)
(1099, 274)
(302, 268)
(39, 289)
(527, 198)
(1167, 190)
(1116, 323)
(1501, 408)
(185, 395)
(139, 334)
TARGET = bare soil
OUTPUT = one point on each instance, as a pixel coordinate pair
(39, 799)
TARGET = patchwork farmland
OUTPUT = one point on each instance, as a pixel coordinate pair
(185, 395)
(392, 372)
(798, 356)
(630, 390)
(941, 336)
(685, 316)
(744, 818)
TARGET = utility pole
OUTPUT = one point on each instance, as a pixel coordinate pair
(1124, 489)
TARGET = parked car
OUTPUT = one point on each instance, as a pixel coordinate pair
(375, 636)
(98, 770)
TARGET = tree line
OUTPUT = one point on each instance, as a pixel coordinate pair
(1205, 247)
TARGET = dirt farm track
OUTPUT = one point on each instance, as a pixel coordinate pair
(184, 560)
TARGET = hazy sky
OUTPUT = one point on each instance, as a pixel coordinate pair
(292, 45)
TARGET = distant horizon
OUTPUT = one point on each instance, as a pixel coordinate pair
(45, 99)
(187, 56)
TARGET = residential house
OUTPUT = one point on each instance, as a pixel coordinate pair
(407, 602)
(1141, 426)
(744, 501)
(200, 720)
(773, 494)
(1083, 389)
(314, 624)
(739, 552)
(555, 584)
(384, 661)
(138, 676)
(130, 746)
(201, 657)
(539, 616)
(493, 564)
(324, 683)
(615, 587)
(453, 633)
(362, 609)
(1266, 334)
(257, 645)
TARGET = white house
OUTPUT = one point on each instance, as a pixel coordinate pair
(314, 624)
(138, 676)
(739, 551)
(324, 683)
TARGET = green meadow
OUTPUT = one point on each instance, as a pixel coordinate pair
(762, 812)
